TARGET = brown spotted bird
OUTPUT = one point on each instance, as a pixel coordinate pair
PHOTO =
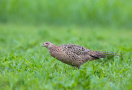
(73, 55)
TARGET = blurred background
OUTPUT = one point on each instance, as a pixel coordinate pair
(67, 12)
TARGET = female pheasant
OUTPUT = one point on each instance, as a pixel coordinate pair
(73, 55)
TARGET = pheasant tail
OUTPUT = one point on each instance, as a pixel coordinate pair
(102, 54)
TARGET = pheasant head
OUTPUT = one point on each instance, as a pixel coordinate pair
(48, 44)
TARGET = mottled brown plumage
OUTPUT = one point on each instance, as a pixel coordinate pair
(73, 55)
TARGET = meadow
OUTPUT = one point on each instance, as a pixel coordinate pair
(24, 64)
(104, 25)
(67, 12)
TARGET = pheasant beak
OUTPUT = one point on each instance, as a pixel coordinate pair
(42, 45)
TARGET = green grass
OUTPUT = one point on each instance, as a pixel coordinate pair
(67, 12)
(24, 64)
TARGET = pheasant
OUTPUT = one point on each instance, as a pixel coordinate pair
(73, 55)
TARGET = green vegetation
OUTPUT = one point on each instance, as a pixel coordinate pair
(24, 64)
(67, 12)
(101, 25)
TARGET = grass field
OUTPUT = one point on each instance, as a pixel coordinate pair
(104, 25)
(24, 64)
(67, 12)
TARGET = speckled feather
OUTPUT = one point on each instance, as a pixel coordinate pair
(73, 54)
